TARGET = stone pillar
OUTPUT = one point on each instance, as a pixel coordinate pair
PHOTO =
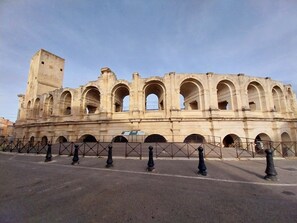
(22, 110)
(212, 92)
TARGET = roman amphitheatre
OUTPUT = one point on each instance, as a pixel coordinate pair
(227, 109)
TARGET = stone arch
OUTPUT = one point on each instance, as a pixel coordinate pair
(256, 96)
(121, 96)
(226, 95)
(286, 144)
(157, 89)
(87, 138)
(91, 100)
(231, 140)
(291, 100)
(263, 137)
(31, 141)
(262, 142)
(36, 108)
(191, 91)
(65, 103)
(155, 138)
(49, 105)
(278, 99)
(194, 138)
(285, 137)
(44, 141)
(29, 104)
(61, 139)
(119, 138)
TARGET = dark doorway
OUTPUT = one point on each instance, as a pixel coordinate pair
(194, 138)
(155, 138)
(119, 139)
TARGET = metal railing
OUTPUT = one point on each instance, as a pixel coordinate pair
(241, 148)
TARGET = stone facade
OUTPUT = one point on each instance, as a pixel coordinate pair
(6, 128)
(173, 108)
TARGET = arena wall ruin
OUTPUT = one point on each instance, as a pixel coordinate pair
(178, 107)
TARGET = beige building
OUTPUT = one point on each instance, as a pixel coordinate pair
(174, 108)
(6, 128)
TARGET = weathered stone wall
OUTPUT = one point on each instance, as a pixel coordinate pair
(6, 128)
(208, 105)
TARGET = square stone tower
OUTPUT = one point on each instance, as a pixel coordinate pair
(46, 74)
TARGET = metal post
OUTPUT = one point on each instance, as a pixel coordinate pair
(10, 146)
(29, 146)
(48, 157)
(150, 163)
(201, 165)
(75, 156)
(109, 159)
(270, 170)
(4, 146)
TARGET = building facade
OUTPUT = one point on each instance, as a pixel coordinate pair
(6, 129)
(173, 108)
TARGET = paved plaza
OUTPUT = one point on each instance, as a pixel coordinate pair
(233, 191)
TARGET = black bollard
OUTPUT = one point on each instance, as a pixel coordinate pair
(109, 158)
(270, 170)
(150, 163)
(75, 156)
(11, 146)
(201, 165)
(48, 156)
(4, 146)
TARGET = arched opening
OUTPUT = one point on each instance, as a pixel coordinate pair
(154, 93)
(29, 110)
(191, 92)
(61, 139)
(91, 100)
(262, 142)
(152, 102)
(286, 139)
(126, 103)
(194, 138)
(182, 102)
(231, 140)
(119, 139)
(278, 99)
(36, 108)
(155, 138)
(226, 95)
(263, 137)
(256, 96)
(65, 103)
(49, 103)
(31, 141)
(87, 138)
(121, 98)
(291, 101)
(44, 141)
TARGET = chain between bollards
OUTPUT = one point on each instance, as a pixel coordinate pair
(150, 163)
(48, 156)
(75, 158)
(201, 166)
(109, 162)
(270, 170)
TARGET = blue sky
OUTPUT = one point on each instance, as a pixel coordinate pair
(152, 37)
